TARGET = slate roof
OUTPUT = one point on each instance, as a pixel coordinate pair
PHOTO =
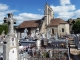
(57, 21)
(30, 23)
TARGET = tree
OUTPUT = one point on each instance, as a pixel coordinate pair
(1, 29)
(4, 27)
(76, 27)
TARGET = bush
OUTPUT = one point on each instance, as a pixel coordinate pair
(3, 27)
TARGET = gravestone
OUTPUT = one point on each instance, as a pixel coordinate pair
(76, 41)
(37, 33)
(25, 32)
(56, 37)
(48, 34)
(43, 35)
(11, 45)
(33, 34)
(22, 36)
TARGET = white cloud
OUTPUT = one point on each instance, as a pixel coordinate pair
(30, 16)
(66, 10)
(41, 10)
(11, 11)
(77, 13)
(27, 16)
(64, 2)
(3, 7)
(65, 15)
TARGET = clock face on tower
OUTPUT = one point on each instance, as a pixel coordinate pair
(12, 42)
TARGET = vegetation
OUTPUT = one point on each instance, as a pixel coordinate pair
(3, 27)
(76, 27)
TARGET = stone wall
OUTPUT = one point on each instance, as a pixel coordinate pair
(65, 27)
(43, 28)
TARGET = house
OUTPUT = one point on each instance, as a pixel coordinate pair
(71, 23)
(46, 24)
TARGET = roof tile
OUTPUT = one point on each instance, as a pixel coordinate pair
(32, 23)
(56, 22)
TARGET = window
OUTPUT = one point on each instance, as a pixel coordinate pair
(52, 31)
(62, 29)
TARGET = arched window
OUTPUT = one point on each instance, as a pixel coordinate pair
(62, 29)
(52, 31)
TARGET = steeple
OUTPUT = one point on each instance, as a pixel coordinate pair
(48, 12)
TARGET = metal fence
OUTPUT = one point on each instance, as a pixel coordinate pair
(44, 54)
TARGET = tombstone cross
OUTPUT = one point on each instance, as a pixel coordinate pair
(10, 21)
(10, 47)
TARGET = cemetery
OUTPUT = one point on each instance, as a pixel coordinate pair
(27, 42)
(26, 47)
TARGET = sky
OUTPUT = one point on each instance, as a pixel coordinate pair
(34, 9)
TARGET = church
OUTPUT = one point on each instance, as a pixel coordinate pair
(46, 24)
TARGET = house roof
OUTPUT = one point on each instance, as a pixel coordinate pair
(70, 21)
(30, 23)
(36, 23)
(56, 22)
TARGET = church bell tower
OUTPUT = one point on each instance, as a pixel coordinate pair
(48, 12)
